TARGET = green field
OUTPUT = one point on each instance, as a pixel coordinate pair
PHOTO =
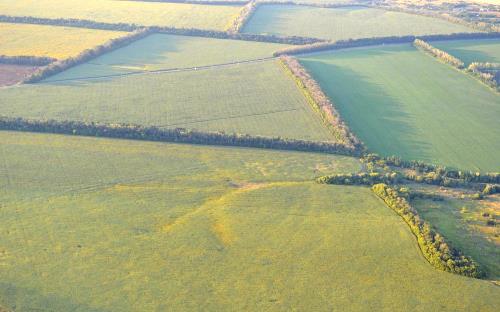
(161, 51)
(96, 225)
(344, 23)
(472, 50)
(400, 101)
(255, 98)
(133, 12)
(461, 222)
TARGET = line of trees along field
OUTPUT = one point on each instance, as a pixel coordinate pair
(244, 16)
(85, 56)
(434, 248)
(80, 23)
(439, 54)
(26, 60)
(488, 73)
(179, 135)
(354, 43)
(321, 103)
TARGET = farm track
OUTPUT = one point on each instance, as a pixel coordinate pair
(166, 70)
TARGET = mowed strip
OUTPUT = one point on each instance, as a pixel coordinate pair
(470, 51)
(178, 15)
(161, 51)
(400, 101)
(89, 220)
(251, 98)
(344, 23)
(50, 41)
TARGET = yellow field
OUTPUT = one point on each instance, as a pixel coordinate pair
(140, 13)
(50, 41)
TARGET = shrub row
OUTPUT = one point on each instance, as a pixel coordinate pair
(353, 43)
(321, 103)
(26, 60)
(152, 133)
(293, 40)
(443, 172)
(85, 56)
(244, 16)
(488, 73)
(439, 54)
(360, 178)
(434, 248)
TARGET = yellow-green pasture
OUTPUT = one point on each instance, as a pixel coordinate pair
(94, 224)
(50, 41)
(179, 15)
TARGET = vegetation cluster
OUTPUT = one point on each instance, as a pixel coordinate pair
(433, 246)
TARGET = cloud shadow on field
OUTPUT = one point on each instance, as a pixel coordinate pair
(378, 118)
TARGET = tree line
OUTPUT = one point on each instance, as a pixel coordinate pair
(433, 246)
(488, 73)
(62, 65)
(321, 103)
(362, 178)
(179, 135)
(80, 23)
(326, 45)
(439, 54)
(26, 60)
(243, 17)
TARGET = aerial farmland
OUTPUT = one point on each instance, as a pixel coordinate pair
(234, 155)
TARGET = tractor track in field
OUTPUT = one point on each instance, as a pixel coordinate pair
(166, 70)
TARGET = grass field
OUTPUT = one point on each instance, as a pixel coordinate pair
(472, 50)
(116, 11)
(253, 98)
(161, 51)
(94, 225)
(50, 41)
(463, 224)
(344, 23)
(400, 101)
(12, 74)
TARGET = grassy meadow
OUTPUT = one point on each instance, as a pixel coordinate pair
(253, 98)
(400, 101)
(344, 23)
(178, 15)
(463, 224)
(94, 224)
(160, 51)
(472, 50)
(50, 41)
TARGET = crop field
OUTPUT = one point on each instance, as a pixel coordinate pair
(253, 98)
(50, 41)
(178, 15)
(12, 74)
(160, 51)
(400, 101)
(472, 50)
(128, 225)
(344, 23)
(464, 224)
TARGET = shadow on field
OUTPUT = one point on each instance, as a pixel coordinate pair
(375, 116)
(27, 299)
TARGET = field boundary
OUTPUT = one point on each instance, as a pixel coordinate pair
(193, 32)
(479, 71)
(365, 42)
(178, 135)
(320, 103)
(26, 60)
(434, 248)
